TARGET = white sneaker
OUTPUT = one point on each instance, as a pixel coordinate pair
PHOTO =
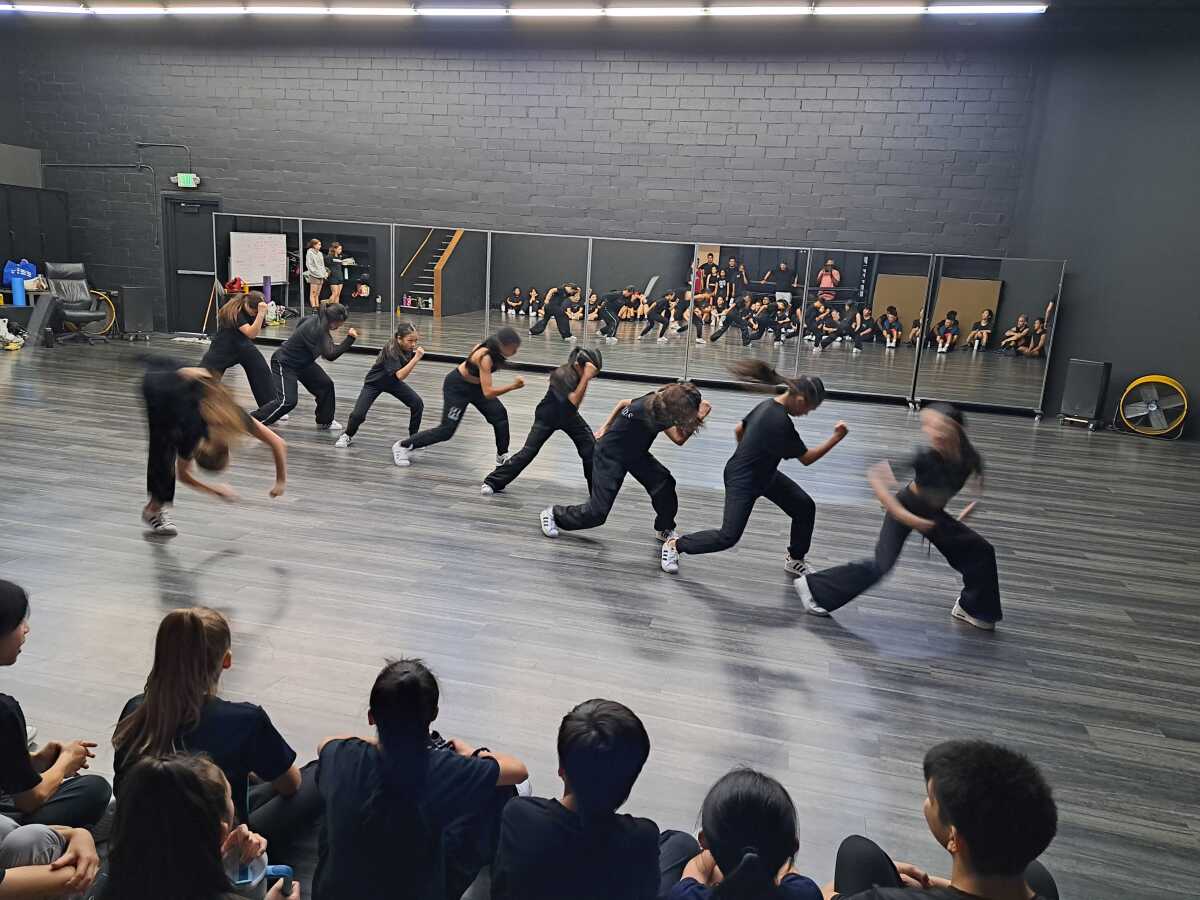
(668, 535)
(486, 490)
(549, 529)
(283, 418)
(663, 340)
(778, 343)
(525, 788)
(400, 455)
(963, 616)
(160, 523)
(610, 340)
(797, 567)
(810, 605)
(502, 458)
(701, 341)
(670, 559)
(343, 441)
(816, 349)
(334, 425)
(570, 338)
(857, 350)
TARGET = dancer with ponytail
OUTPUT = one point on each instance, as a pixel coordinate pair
(296, 362)
(393, 365)
(623, 448)
(555, 308)
(749, 839)
(659, 314)
(193, 417)
(557, 411)
(940, 471)
(239, 322)
(470, 384)
(765, 438)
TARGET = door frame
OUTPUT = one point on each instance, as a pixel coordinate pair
(170, 269)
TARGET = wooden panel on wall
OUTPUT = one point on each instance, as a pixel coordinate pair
(969, 296)
(905, 292)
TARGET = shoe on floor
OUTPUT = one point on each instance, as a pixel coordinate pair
(486, 490)
(810, 605)
(525, 788)
(343, 441)
(400, 455)
(30, 736)
(963, 616)
(701, 341)
(663, 340)
(549, 529)
(610, 340)
(797, 567)
(856, 350)
(283, 418)
(160, 523)
(332, 425)
(502, 458)
(670, 559)
(669, 535)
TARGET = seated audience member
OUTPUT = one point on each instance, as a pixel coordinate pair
(535, 304)
(514, 303)
(42, 788)
(914, 333)
(180, 711)
(175, 835)
(947, 331)
(407, 814)
(865, 325)
(748, 838)
(38, 861)
(889, 327)
(992, 811)
(816, 314)
(1017, 335)
(1035, 344)
(578, 847)
(981, 331)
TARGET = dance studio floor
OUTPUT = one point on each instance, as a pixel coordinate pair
(962, 376)
(1094, 672)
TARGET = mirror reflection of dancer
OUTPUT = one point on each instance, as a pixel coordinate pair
(557, 411)
(470, 384)
(555, 308)
(623, 448)
(239, 321)
(193, 417)
(609, 311)
(659, 314)
(387, 376)
(940, 471)
(765, 438)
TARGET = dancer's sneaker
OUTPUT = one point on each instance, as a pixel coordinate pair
(486, 490)
(343, 441)
(332, 425)
(797, 567)
(400, 455)
(525, 788)
(283, 418)
(663, 340)
(570, 339)
(810, 605)
(857, 350)
(817, 348)
(502, 458)
(160, 523)
(963, 616)
(670, 558)
(669, 535)
(610, 340)
(549, 529)
(701, 341)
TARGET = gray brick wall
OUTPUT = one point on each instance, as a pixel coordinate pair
(907, 150)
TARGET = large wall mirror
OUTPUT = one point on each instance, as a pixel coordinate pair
(265, 253)
(989, 331)
(357, 257)
(441, 285)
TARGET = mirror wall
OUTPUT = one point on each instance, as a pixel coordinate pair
(257, 248)
(440, 284)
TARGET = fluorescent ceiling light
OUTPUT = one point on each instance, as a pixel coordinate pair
(983, 9)
(372, 11)
(868, 10)
(129, 10)
(58, 10)
(556, 13)
(461, 11)
(654, 11)
(760, 10)
(206, 10)
(288, 10)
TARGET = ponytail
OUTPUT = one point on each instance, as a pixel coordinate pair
(227, 315)
(404, 702)
(749, 824)
(333, 314)
(566, 377)
(751, 879)
(810, 387)
(504, 337)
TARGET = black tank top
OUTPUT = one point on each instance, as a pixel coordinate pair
(473, 368)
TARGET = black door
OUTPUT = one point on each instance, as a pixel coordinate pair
(54, 218)
(190, 264)
(26, 227)
(6, 227)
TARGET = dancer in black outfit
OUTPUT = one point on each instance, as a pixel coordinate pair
(296, 361)
(623, 448)
(939, 472)
(660, 314)
(387, 376)
(239, 321)
(838, 326)
(470, 384)
(738, 317)
(610, 304)
(765, 438)
(555, 308)
(193, 417)
(557, 411)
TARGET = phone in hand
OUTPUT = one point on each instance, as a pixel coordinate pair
(284, 873)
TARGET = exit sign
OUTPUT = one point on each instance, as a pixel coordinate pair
(187, 180)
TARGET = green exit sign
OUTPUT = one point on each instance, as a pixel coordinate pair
(187, 180)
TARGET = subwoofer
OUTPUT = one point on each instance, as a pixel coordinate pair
(137, 310)
(1083, 394)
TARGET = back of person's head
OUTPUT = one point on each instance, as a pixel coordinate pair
(225, 420)
(227, 315)
(749, 825)
(602, 747)
(189, 654)
(677, 405)
(810, 387)
(14, 610)
(172, 818)
(993, 800)
(404, 703)
(334, 314)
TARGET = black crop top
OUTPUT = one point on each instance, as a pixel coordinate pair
(473, 367)
(940, 478)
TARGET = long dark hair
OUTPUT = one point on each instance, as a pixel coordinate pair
(676, 405)
(566, 377)
(810, 387)
(166, 837)
(14, 607)
(333, 314)
(749, 824)
(404, 702)
(393, 349)
(966, 450)
(504, 337)
(227, 315)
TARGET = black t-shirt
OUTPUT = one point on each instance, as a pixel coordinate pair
(548, 853)
(708, 268)
(894, 893)
(227, 343)
(940, 478)
(240, 739)
(792, 887)
(984, 326)
(612, 301)
(768, 437)
(17, 774)
(376, 846)
(661, 305)
(173, 406)
(633, 431)
(386, 366)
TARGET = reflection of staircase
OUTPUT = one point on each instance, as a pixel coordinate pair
(419, 276)
(423, 283)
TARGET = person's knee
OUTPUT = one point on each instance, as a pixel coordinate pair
(93, 793)
(31, 845)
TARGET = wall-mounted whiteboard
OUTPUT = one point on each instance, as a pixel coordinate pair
(251, 256)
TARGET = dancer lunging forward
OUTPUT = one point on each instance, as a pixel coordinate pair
(765, 438)
(659, 314)
(387, 376)
(939, 472)
(623, 448)
(555, 308)
(239, 322)
(558, 411)
(470, 384)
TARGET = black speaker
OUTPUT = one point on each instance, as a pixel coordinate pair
(1087, 383)
(45, 315)
(137, 309)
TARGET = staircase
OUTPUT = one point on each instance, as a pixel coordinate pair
(419, 279)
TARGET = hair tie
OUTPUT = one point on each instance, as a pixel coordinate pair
(748, 851)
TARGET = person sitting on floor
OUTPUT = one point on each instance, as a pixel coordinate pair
(579, 846)
(992, 811)
(889, 327)
(1035, 344)
(946, 333)
(1017, 335)
(42, 788)
(981, 332)
(914, 333)
(866, 326)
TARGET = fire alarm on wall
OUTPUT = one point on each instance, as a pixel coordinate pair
(186, 180)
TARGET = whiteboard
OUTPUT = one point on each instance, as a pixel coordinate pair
(251, 256)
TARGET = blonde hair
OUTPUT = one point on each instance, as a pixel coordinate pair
(227, 315)
(226, 423)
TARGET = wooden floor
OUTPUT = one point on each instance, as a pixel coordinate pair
(1095, 671)
(962, 376)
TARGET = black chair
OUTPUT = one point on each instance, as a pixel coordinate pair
(80, 307)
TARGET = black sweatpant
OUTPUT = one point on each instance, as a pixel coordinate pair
(970, 555)
(553, 311)
(656, 318)
(79, 802)
(738, 323)
(554, 413)
(457, 395)
(398, 389)
(160, 462)
(608, 474)
(862, 866)
(740, 500)
(841, 332)
(258, 372)
(285, 379)
(608, 322)
(284, 820)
